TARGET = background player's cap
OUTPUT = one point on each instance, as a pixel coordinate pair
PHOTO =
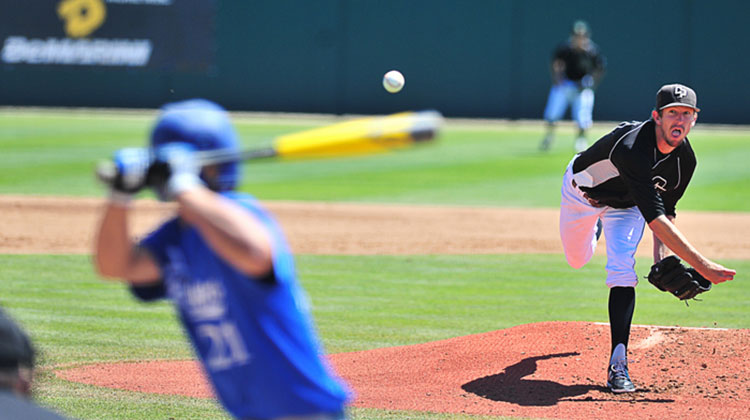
(581, 28)
(676, 95)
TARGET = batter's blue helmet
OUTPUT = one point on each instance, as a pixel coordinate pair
(206, 126)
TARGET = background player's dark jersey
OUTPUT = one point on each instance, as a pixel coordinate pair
(579, 62)
(625, 168)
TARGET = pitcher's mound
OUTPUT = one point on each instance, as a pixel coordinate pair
(547, 370)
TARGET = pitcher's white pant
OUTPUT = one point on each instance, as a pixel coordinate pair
(623, 229)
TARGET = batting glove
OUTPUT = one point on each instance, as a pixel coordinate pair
(131, 167)
(174, 171)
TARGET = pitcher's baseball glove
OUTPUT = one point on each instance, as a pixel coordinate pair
(669, 275)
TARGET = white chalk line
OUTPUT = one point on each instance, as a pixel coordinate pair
(666, 327)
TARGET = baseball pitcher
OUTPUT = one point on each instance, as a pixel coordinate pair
(634, 176)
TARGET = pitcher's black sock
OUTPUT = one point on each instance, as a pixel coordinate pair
(621, 308)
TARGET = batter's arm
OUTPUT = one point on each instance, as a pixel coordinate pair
(115, 253)
(234, 233)
(668, 234)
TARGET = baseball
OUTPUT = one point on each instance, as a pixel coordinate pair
(393, 81)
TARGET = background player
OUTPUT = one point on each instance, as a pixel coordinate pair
(577, 68)
(225, 264)
(632, 176)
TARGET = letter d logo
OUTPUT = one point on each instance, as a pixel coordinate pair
(81, 17)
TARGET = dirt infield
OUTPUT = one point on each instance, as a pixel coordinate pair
(546, 370)
(66, 225)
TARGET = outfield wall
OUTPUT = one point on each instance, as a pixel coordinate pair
(466, 58)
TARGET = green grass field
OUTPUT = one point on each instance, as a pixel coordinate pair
(358, 302)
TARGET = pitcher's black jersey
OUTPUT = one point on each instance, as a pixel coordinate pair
(625, 169)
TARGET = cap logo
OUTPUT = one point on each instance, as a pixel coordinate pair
(680, 92)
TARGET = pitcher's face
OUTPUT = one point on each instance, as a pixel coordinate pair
(674, 124)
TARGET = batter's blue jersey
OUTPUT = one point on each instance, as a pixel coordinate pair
(255, 337)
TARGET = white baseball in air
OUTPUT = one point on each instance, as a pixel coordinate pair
(393, 81)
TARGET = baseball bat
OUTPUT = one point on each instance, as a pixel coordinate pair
(349, 138)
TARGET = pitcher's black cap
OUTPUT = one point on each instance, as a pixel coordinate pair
(676, 95)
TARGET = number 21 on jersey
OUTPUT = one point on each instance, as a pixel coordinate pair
(225, 346)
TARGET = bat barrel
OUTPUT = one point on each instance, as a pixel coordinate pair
(359, 136)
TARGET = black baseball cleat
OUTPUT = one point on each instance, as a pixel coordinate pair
(618, 379)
